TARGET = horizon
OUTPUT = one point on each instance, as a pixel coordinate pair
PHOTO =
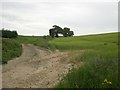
(76, 35)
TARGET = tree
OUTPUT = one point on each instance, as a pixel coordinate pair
(57, 27)
(66, 31)
(51, 32)
(58, 30)
(8, 34)
(71, 33)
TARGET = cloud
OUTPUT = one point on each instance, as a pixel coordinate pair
(59, 0)
(36, 18)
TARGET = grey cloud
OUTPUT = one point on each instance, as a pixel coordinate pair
(19, 6)
(97, 17)
(36, 18)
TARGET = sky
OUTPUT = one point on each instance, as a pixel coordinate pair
(36, 17)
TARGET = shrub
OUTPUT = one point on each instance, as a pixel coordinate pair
(9, 34)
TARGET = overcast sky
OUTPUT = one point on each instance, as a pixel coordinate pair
(36, 17)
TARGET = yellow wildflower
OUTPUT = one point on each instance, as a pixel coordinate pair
(109, 82)
(105, 80)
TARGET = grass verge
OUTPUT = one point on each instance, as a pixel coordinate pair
(36, 40)
(10, 49)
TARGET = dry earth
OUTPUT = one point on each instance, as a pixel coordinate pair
(35, 68)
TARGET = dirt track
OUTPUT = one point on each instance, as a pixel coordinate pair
(35, 68)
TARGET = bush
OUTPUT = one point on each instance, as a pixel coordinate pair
(9, 34)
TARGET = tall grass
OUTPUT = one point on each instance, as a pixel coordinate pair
(10, 49)
(100, 69)
(36, 40)
(0, 50)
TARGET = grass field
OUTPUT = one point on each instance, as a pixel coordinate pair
(101, 61)
(100, 57)
(86, 42)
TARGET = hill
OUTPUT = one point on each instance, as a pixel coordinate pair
(100, 57)
(97, 53)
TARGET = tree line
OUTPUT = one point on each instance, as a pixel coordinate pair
(5, 33)
(58, 30)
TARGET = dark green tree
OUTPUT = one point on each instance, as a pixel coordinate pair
(66, 31)
(8, 34)
(58, 30)
(71, 33)
(52, 32)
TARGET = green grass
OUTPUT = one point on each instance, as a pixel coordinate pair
(86, 42)
(10, 49)
(100, 58)
(100, 61)
(0, 51)
(36, 40)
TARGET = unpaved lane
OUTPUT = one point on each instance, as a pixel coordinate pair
(35, 68)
